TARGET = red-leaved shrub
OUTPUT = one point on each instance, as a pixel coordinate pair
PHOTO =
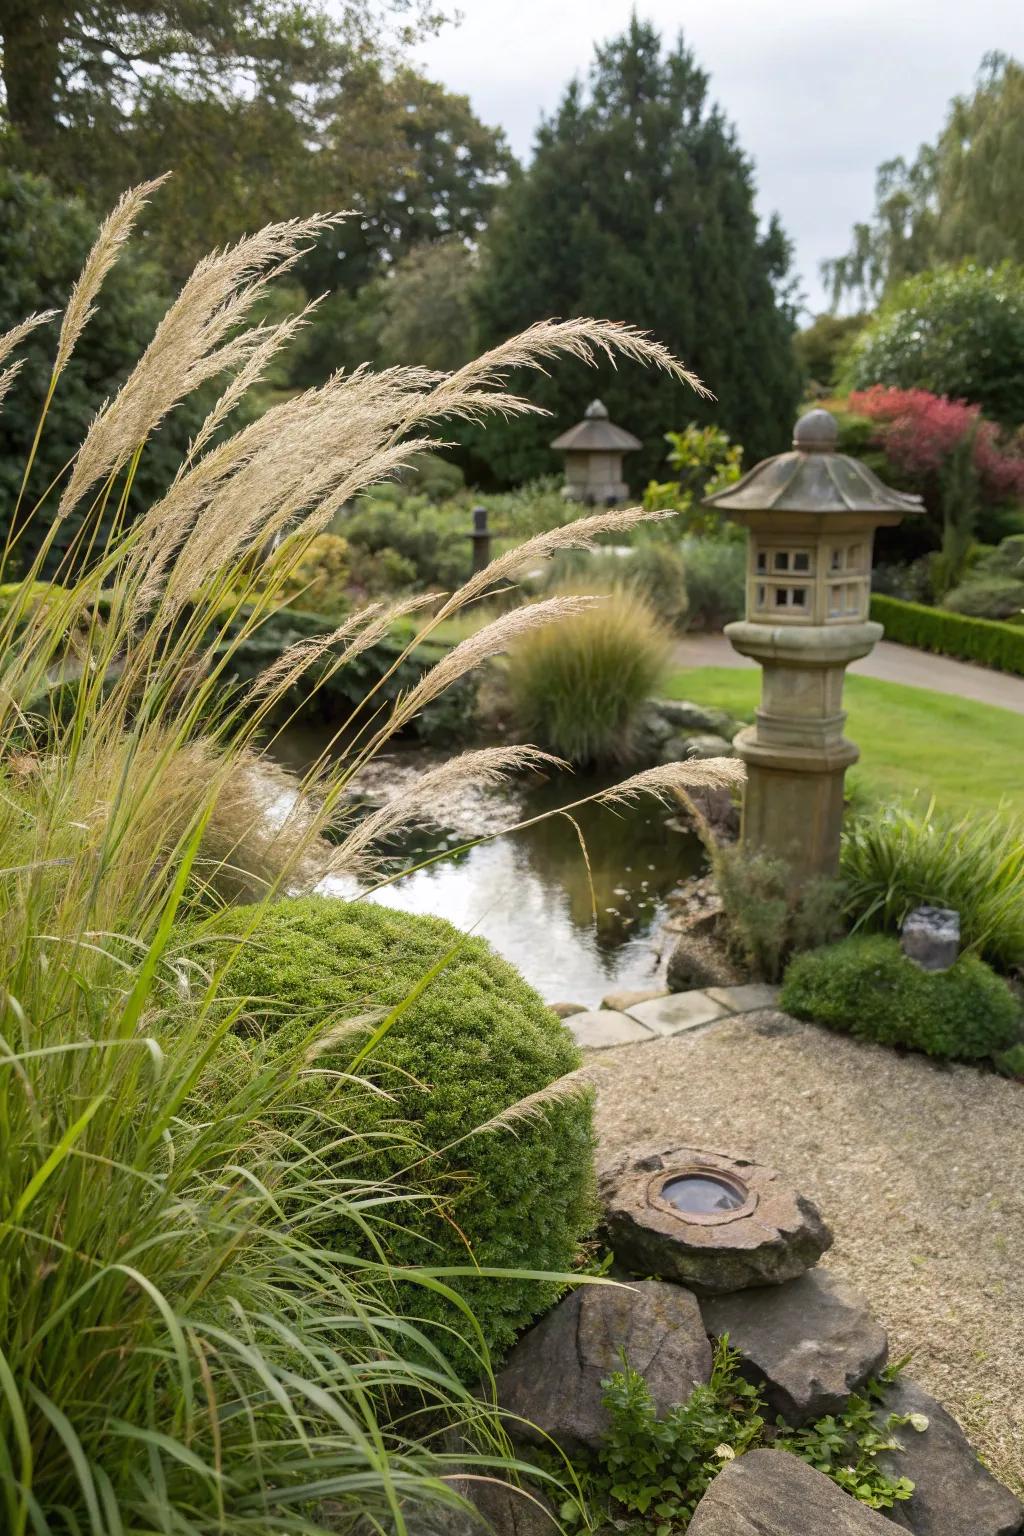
(919, 432)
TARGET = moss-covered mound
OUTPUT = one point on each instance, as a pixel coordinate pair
(475, 1040)
(868, 988)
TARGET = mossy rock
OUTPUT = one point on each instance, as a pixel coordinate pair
(471, 1042)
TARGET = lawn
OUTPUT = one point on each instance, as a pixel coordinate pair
(969, 756)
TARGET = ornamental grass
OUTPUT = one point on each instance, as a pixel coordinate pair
(183, 1349)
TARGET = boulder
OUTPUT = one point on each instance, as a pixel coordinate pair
(774, 1238)
(683, 715)
(699, 962)
(552, 1379)
(700, 745)
(930, 936)
(495, 1506)
(770, 1493)
(566, 1010)
(954, 1495)
(808, 1343)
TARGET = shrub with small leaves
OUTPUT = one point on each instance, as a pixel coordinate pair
(868, 988)
(651, 1472)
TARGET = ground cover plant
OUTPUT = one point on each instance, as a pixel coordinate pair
(459, 1043)
(915, 743)
(652, 1472)
(183, 1348)
(867, 987)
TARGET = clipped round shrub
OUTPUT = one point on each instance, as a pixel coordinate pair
(987, 597)
(473, 1042)
(866, 987)
(577, 687)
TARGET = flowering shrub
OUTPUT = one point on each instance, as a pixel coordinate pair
(920, 432)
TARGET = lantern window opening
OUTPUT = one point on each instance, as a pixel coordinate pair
(791, 597)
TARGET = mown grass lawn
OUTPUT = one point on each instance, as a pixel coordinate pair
(968, 756)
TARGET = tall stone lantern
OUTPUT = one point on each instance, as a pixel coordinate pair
(593, 451)
(812, 514)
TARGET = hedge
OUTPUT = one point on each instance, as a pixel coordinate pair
(986, 641)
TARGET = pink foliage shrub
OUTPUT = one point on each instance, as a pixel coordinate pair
(919, 431)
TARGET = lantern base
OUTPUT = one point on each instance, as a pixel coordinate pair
(793, 803)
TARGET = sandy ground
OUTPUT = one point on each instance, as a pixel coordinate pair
(918, 1168)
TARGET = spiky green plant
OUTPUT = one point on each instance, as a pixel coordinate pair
(181, 1352)
(901, 857)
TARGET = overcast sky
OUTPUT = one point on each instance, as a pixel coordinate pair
(821, 91)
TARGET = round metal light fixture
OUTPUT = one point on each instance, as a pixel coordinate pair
(702, 1195)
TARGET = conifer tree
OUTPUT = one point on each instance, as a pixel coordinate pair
(639, 204)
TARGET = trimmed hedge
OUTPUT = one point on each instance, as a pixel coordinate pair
(475, 1041)
(866, 987)
(986, 641)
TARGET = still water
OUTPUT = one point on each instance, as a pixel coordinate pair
(574, 932)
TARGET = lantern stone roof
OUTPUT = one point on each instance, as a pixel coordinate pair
(596, 434)
(813, 477)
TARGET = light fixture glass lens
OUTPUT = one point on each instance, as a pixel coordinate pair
(701, 1194)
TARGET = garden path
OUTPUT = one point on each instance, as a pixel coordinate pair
(917, 1167)
(892, 663)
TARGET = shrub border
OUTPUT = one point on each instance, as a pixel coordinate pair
(985, 641)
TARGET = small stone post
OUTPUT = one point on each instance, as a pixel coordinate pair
(481, 537)
(811, 515)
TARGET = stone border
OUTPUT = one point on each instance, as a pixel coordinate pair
(671, 1013)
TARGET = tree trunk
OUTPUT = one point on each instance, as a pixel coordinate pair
(32, 32)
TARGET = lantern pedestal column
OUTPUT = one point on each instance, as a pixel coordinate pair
(796, 753)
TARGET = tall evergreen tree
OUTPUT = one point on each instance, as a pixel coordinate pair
(639, 205)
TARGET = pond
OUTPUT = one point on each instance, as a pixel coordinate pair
(576, 926)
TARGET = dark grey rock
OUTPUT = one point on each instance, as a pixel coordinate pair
(688, 745)
(954, 1495)
(699, 962)
(708, 745)
(770, 1493)
(553, 1376)
(496, 1506)
(683, 715)
(930, 936)
(781, 1236)
(809, 1343)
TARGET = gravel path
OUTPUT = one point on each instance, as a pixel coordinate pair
(892, 663)
(918, 1168)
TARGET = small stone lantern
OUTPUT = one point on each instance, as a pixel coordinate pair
(593, 451)
(812, 514)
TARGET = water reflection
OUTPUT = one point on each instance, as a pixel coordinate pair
(574, 932)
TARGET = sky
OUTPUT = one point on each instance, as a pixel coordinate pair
(820, 91)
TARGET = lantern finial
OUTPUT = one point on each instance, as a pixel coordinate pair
(816, 432)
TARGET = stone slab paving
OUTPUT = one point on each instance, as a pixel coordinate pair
(677, 1012)
(600, 1028)
(746, 999)
(655, 1015)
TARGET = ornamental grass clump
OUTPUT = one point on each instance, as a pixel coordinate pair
(579, 693)
(899, 858)
(185, 1346)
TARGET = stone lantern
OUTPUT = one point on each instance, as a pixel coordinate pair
(812, 514)
(593, 451)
